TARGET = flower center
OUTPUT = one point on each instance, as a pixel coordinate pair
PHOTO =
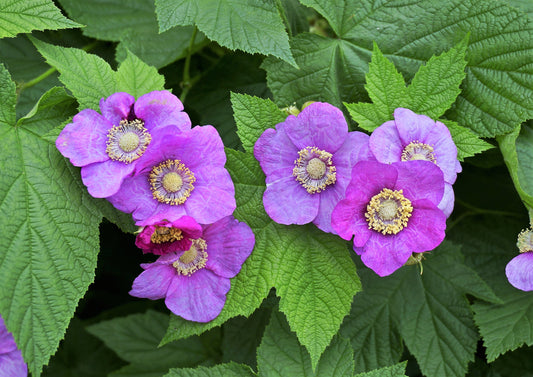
(314, 169)
(388, 212)
(525, 241)
(163, 234)
(171, 182)
(193, 259)
(416, 150)
(127, 141)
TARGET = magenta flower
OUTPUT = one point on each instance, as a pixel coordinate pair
(11, 362)
(308, 161)
(194, 283)
(417, 137)
(164, 237)
(182, 174)
(519, 270)
(108, 146)
(391, 210)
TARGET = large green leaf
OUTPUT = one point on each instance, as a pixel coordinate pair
(496, 96)
(306, 266)
(221, 370)
(134, 25)
(51, 229)
(429, 311)
(397, 370)
(23, 16)
(489, 244)
(256, 25)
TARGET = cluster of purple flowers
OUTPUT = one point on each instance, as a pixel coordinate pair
(391, 191)
(143, 156)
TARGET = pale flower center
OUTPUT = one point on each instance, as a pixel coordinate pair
(127, 141)
(388, 212)
(171, 182)
(525, 241)
(416, 150)
(193, 259)
(314, 169)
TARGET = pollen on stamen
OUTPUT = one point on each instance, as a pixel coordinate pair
(314, 169)
(193, 259)
(416, 150)
(127, 141)
(388, 212)
(164, 234)
(171, 182)
(525, 241)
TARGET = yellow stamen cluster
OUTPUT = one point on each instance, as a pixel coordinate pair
(416, 150)
(171, 182)
(163, 234)
(525, 241)
(314, 169)
(127, 141)
(193, 259)
(388, 212)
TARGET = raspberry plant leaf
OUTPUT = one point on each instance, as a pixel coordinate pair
(51, 232)
(495, 95)
(23, 16)
(307, 267)
(259, 24)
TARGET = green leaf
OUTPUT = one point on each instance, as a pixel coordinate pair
(23, 16)
(392, 371)
(306, 266)
(518, 165)
(280, 354)
(134, 25)
(253, 116)
(221, 370)
(51, 232)
(496, 95)
(256, 26)
(87, 76)
(136, 338)
(429, 311)
(468, 143)
(491, 244)
(137, 78)
(367, 115)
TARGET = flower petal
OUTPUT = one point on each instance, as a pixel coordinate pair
(448, 200)
(287, 202)
(117, 107)
(229, 244)
(161, 108)
(371, 177)
(135, 197)
(412, 127)
(154, 282)
(276, 153)
(104, 179)
(83, 141)
(445, 151)
(385, 143)
(329, 198)
(199, 297)
(519, 271)
(319, 125)
(348, 218)
(12, 365)
(420, 180)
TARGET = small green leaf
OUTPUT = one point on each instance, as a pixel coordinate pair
(366, 115)
(23, 16)
(280, 354)
(468, 143)
(253, 116)
(256, 26)
(87, 76)
(221, 370)
(51, 232)
(137, 78)
(397, 370)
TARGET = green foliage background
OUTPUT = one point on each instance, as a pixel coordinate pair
(303, 303)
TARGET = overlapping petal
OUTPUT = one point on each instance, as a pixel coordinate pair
(519, 271)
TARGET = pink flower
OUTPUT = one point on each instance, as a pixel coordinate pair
(194, 282)
(11, 362)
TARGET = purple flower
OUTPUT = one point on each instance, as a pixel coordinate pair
(11, 362)
(417, 137)
(108, 146)
(194, 283)
(164, 237)
(182, 174)
(391, 210)
(308, 161)
(519, 270)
